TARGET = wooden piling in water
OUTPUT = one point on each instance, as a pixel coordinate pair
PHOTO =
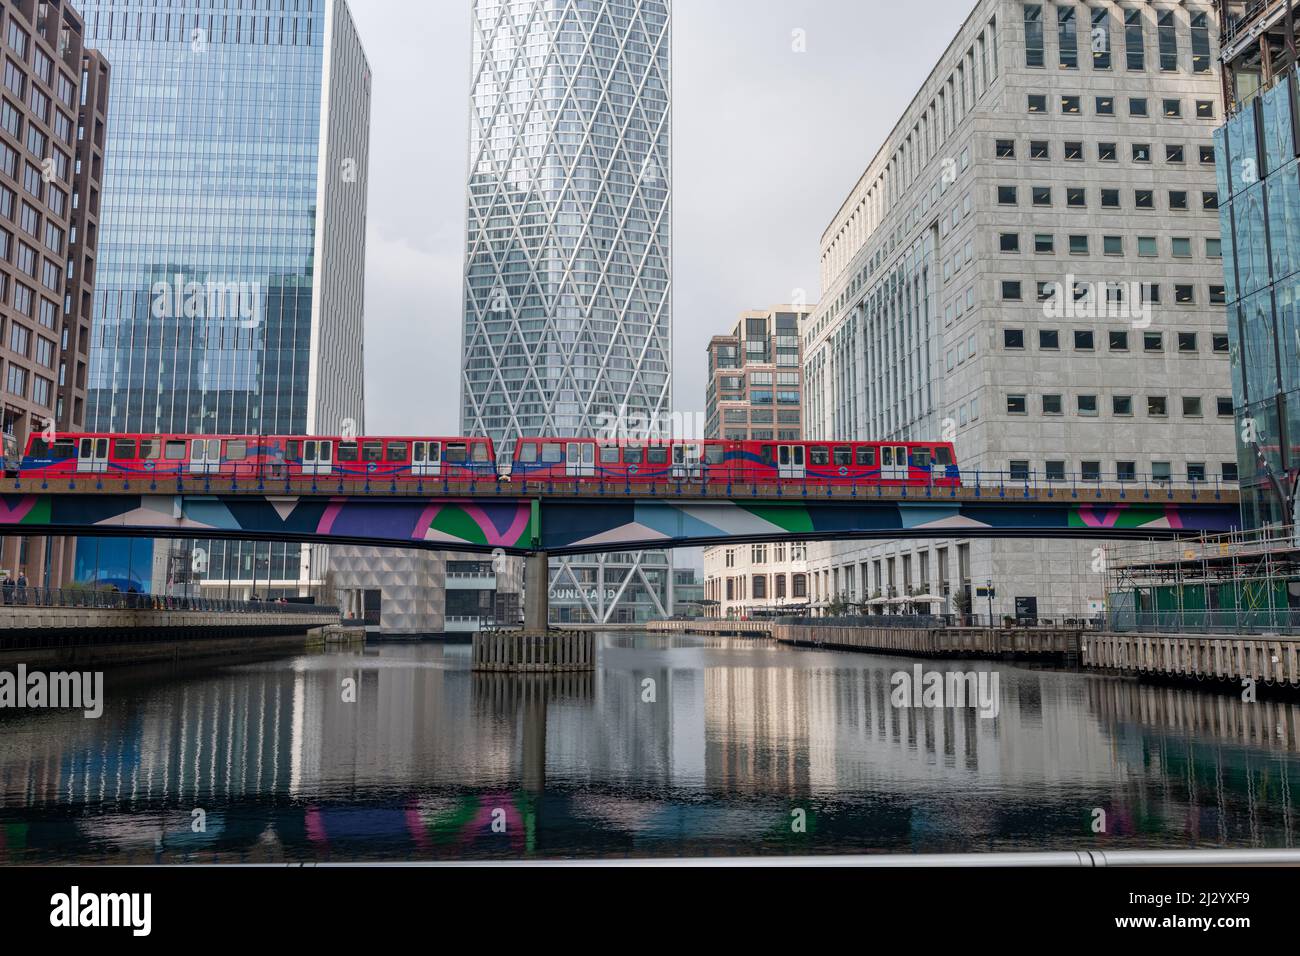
(534, 651)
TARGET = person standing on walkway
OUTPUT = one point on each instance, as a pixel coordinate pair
(22, 586)
(8, 587)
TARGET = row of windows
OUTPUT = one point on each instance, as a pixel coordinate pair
(1091, 470)
(1085, 340)
(1076, 197)
(1044, 243)
(1095, 24)
(1049, 293)
(1073, 150)
(1071, 104)
(1121, 406)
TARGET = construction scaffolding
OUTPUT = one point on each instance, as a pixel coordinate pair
(1241, 583)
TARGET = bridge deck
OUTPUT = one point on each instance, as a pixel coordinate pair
(1134, 492)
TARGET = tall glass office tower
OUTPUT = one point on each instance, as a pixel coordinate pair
(568, 267)
(229, 293)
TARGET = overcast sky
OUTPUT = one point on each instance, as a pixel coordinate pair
(768, 142)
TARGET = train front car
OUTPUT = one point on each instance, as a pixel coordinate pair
(944, 471)
(43, 460)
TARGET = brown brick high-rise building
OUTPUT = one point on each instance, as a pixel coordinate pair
(53, 112)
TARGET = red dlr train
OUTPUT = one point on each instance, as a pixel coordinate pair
(462, 459)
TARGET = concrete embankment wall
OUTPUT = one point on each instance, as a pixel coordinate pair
(45, 636)
(1029, 643)
(1060, 645)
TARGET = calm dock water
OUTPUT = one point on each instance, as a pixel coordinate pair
(675, 745)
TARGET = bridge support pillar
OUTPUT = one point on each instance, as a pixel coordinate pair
(537, 586)
(536, 648)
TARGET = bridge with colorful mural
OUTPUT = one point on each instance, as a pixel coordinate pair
(567, 521)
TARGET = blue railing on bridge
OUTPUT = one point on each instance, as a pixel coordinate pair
(1002, 484)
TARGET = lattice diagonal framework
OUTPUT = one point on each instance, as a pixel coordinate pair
(568, 265)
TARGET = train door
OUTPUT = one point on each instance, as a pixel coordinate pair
(426, 459)
(580, 461)
(686, 462)
(92, 456)
(893, 463)
(790, 461)
(317, 457)
(205, 456)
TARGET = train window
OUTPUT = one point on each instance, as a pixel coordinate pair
(175, 451)
(765, 454)
(124, 448)
(843, 455)
(480, 451)
(38, 448)
(921, 457)
(552, 453)
(866, 457)
(372, 451)
(347, 451)
(943, 456)
(417, 452)
(657, 455)
(819, 455)
(887, 456)
(633, 454)
(63, 450)
(150, 448)
(294, 451)
(528, 452)
(609, 454)
(396, 451)
(236, 450)
(456, 453)
(713, 454)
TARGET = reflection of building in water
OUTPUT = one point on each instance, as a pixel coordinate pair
(756, 729)
(835, 729)
(628, 737)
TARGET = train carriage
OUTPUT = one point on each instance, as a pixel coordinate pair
(767, 462)
(553, 459)
(151, 457)
(849, 463)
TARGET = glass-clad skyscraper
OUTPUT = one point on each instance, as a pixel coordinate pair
(1259, 208)
(229, 292)
(568, 269)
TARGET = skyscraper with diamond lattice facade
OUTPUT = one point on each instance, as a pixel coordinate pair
(568, 269)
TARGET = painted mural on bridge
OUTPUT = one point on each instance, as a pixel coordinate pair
(570, 525)
(576, 525)
(494, 523)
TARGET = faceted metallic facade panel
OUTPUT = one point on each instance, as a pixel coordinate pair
(568, 265)
(568, 260)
